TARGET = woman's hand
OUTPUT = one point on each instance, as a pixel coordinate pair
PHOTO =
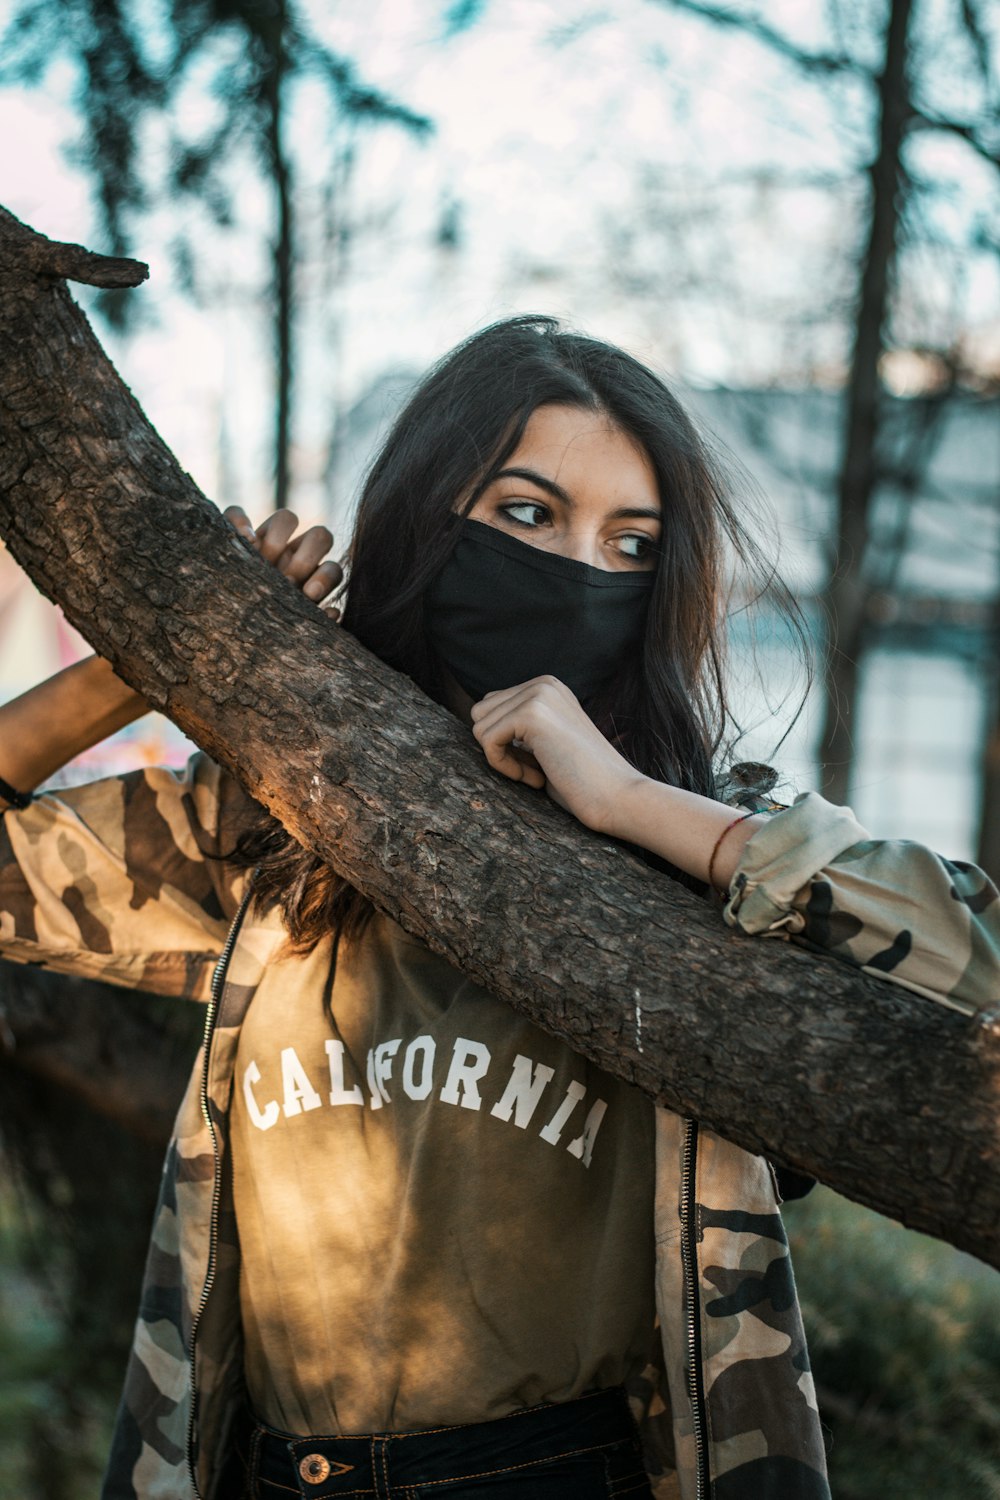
(538, 733)
(299, 558)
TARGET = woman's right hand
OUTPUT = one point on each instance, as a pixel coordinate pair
(299, 557)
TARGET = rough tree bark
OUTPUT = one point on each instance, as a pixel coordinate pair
(781, 1051)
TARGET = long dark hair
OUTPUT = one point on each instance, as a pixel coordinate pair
(667, 712)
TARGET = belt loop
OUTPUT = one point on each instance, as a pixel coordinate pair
(380, 1468)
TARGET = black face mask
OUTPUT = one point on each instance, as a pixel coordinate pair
(501, 611)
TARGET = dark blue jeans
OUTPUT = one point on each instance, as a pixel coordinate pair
(586, 1449)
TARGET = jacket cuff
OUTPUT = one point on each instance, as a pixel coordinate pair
(782, 857)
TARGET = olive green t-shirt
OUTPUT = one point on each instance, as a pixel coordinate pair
(444, 1214)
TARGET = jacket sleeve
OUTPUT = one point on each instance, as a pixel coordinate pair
(121, 880)
(891, 907)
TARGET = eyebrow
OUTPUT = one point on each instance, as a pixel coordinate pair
(620, 513)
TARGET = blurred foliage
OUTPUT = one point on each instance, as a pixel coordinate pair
(131, 68)
(904, 1335)
(460, 15)
(236, 63)
(77, 1194)
(54, 1420)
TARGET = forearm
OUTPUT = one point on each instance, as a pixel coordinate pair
(60, 718)
(538, 733)
(682, 827)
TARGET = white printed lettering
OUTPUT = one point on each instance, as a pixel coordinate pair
(339, 1092)
(469, 1062)
(520, 1097)
(299, 1092)
(262, 1118)
(554, 1129)
(424, 1046)
(469, 1065)
(583, 1147)
(382, 1068)
(375, 1099)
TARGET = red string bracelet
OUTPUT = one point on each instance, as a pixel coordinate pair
(718, 844)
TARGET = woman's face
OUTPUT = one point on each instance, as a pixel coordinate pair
(579, 486)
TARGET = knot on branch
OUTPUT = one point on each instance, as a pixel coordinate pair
(25, 249)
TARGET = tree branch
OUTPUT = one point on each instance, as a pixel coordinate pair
(921, 119)
(841, 62)
(781, 1051)
(770, 36)
(54, 258)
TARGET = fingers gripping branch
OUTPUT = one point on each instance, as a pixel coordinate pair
(25, 249)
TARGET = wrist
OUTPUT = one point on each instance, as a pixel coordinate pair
(721, 888)
(684, 828)
(622, 815)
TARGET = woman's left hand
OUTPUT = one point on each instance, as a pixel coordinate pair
(538, 733)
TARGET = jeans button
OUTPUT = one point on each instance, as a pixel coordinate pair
(314, 1468)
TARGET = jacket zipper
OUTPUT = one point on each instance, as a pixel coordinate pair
(692, 1303)
(218, 981)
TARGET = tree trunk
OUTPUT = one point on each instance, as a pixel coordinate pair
(781, 1051)
(283, 254)
(845, 596)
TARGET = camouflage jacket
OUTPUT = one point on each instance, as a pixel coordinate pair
(122, 881)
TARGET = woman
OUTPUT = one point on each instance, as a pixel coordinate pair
(407, 1244)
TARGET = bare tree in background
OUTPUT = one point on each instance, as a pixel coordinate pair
(255, 55)
(870, 453)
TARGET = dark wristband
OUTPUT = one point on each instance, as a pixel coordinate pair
(15, 798)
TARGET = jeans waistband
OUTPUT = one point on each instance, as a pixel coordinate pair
(319, 1466)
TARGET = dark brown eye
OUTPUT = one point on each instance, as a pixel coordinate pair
(637, 545)
(526, 513)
